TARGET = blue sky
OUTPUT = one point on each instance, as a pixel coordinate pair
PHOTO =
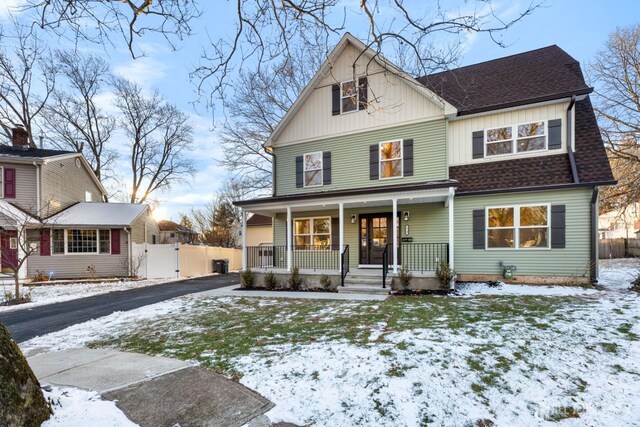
(579, 27)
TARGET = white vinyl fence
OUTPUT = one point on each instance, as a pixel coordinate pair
(179, 260)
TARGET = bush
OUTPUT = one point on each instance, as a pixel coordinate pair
(635, 284)
(295, 280)
(405, 276)
(445, 274)
(270, 281)
(325, 282)
(247, 278)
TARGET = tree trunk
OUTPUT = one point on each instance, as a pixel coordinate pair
(16, 280)
(22, 401)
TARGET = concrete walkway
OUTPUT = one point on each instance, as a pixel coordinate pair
(153, 391)
(231, 291)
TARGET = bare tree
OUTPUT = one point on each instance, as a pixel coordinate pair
(27, 79)
(159, 135)
(73, 119)
(616, 74)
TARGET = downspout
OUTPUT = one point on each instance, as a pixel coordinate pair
(593, 265)
(572, 160)
(130, 246)
(273, 170)
(37, 188)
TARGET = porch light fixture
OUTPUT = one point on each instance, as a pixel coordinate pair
(353, 219)
(406, 215)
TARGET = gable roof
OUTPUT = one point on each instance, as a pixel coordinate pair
(168, 225)
(98, 214)
(31, 153)
(535, 76)
(325, 68)
(258, 220)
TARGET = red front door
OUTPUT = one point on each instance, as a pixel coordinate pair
(9, 248)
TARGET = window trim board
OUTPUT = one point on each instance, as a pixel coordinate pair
(514, 139)
(401, 159)
(66, 240)
(321, 169)
(311, 233)
(516, 228)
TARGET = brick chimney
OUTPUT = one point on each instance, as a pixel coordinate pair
(20, 137)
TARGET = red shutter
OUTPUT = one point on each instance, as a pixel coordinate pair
(45, 242)
(115, 241)
(9, 183)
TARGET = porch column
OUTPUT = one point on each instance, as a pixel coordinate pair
(244, 239)
(289, 239)
(394, 226)
(450, 203)
(341, 222)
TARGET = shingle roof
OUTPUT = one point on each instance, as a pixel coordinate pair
(543, 171)
(36, 153)
(167, 225)
(534, 76)
(257, 220)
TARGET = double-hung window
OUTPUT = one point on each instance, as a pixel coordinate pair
(349, 96)
(516, 139)
(391, 159)
(518, 227)
(313, 169)
(312, 233)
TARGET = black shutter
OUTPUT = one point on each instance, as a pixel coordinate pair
(299, 173)
(363, 93)
(407, 152)
(335, 233)
(555, 134)
(558, 226)
(478, 144)
(374, 168)
(326, 167)
(335, 100)
(478, 228)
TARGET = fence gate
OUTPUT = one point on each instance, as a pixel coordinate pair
(156, 261)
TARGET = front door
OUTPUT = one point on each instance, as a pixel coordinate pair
(9, 249)
(375, 233)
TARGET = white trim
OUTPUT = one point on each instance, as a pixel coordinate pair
(289, 239)
(514, 139)
(357, 88)
(391, 141)
(341, 230)
(2, 182)
(65, 232)
(512, 109)
(450, 198)
(516, 227)
(304, 169)
(244, 238)
(395, 224)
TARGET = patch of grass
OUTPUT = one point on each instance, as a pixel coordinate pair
(609, 347)
(563, 413)
(625, 328)
(477, 388)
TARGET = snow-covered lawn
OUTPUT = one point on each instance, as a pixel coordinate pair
(73, 407)
(524, 356)
(50, 294)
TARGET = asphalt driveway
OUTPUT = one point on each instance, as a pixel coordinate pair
(29, 323)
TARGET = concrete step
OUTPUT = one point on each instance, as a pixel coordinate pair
(364, 289)
(370, 280)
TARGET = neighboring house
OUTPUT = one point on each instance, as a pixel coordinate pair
(172, 232)
(620, 223)
(76, 233)
(488, 165)
(259, 230)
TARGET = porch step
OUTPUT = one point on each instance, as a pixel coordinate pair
(363, 289)
(365, 280)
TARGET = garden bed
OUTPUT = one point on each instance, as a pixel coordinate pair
(258, 288)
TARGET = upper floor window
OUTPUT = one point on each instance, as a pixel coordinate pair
(518, 227)
(88, 196)
(391, 159)
(516, 139)
(349, 96)
(313, 169)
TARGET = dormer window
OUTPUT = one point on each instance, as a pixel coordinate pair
(349, 96)
(516, 139)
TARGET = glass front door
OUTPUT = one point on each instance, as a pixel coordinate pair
(375, 234)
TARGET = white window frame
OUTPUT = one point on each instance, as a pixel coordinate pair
(342, 96)
(304, 169)
(514, 139)
(401, 141)
(311, 233)
(88, 196)
(66, 242)
(516, 227)
(2, 182)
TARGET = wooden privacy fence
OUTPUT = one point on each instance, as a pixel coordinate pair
(180, 260)
(619, 248)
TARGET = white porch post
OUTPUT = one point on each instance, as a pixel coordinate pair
(341, 222)
(289, 239)
(244, 239)
(450, 200)
(395, 235)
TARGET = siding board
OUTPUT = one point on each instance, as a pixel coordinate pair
(26, 192)
(63, 184)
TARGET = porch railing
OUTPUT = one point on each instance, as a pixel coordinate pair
(308, 257)
(344, 264)
(385, 265)
(424, 256)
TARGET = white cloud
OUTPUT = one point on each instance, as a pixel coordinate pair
(9, 7)
(144, 71)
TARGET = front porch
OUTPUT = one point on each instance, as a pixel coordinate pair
(356, 239)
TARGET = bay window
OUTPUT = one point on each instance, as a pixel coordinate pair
(518, 227)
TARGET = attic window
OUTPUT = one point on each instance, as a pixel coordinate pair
(349, 96)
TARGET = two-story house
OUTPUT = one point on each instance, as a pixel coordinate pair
(53, 201)
(490, 165)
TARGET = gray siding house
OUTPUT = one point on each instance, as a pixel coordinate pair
(51, 200)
